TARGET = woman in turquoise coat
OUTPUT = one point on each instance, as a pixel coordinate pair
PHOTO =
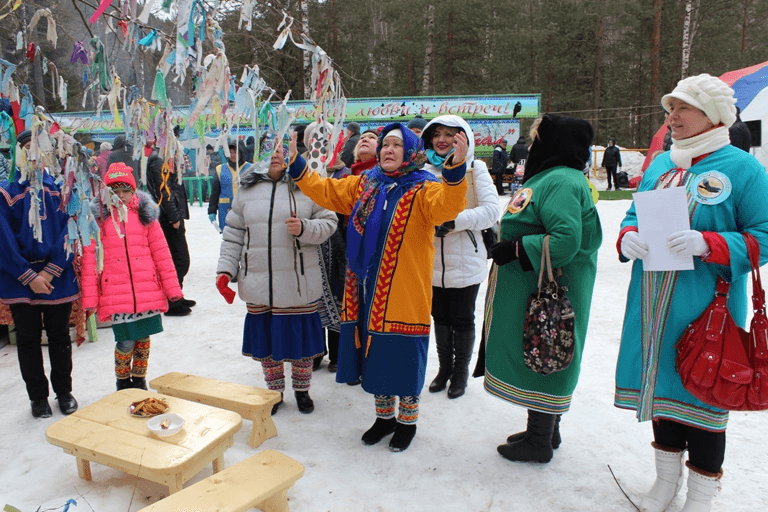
(554, 200)
(727, 190)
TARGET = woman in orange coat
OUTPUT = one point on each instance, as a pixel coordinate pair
(393, 210)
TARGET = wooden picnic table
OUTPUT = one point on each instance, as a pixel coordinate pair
(106, 433)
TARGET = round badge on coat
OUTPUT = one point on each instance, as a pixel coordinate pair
(711, 187)
(520, 200)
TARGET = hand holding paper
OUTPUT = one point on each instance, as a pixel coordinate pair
(687, 243)
(632, 247)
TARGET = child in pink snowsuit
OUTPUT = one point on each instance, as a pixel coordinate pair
(138, 278)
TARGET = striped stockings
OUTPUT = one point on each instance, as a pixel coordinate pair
(408, 411)
(274, 374)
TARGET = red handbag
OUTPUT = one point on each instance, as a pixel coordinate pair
(720, 363)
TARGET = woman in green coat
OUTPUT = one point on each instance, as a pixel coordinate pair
(554, 200)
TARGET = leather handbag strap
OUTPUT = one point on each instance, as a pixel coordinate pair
(758, 294)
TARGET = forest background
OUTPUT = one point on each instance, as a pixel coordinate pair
(608, 61)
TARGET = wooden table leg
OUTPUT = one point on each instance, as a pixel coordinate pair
(278, 502)
(175, 484)
(218, 463)
(84, 468)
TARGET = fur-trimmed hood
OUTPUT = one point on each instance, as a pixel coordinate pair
(142, 203)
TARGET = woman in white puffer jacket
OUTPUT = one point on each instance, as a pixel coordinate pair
(461, 263)
(270, 245)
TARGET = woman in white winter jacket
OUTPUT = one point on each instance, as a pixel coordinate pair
(270, 245)
(461, 263)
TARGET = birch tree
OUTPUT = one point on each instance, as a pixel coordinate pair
(426, 85)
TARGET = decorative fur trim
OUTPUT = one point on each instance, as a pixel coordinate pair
(667, 449)
(707, 474)
(147, 209)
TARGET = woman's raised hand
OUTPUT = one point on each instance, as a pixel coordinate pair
(460, 146)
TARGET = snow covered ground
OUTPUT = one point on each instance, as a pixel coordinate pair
(452, 464)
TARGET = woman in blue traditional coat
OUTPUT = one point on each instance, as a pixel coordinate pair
(726, 189)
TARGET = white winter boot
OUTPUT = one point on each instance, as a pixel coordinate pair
(702, 487)
(669, 480)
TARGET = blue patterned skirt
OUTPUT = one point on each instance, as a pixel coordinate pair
(284, 334)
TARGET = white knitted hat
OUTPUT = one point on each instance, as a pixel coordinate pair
(707, 93)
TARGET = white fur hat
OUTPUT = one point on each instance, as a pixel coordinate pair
(707, 93)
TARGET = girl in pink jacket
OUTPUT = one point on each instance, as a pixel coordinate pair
(138, 278)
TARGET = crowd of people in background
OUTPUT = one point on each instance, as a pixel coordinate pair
(362, 261)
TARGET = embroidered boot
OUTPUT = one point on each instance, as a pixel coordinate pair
(463, 343)
(556, 440)
(536, 446)
(444, 342)
(123, 369)
(702, 487)
(669, 479)
(140, 361)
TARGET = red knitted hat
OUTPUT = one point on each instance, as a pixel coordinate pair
(120, 174)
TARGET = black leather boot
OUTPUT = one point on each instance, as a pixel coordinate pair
(536, 445)
(139, 382)
(556, 440)
(304, 402)
(463, 344)
(124, 383)
(444, 342)
(402, 438)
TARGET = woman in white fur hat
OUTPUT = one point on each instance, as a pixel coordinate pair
(726, 190)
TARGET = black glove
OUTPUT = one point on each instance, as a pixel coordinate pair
(505, 251)
(445, 228)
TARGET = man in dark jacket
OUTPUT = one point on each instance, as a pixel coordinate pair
(499, 165)
(611, 159)
(739, 132)
(171, 196)
(123, 152)
(519, 151)
(353, 135)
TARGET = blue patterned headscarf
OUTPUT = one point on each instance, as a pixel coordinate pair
(365, 222)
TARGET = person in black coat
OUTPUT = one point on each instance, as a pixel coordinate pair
(611, 159)
(123, 152)
(171, 197)
(499, 165)
(353, 135)
(739, 132)
(519, 151)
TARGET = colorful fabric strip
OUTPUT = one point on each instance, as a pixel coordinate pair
(541, 402)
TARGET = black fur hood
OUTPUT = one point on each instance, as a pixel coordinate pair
(147, 209)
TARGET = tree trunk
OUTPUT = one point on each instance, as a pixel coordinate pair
(530, 41)
(548, 106)
(598, 74)
(450, 52)
(744, 26)
(686, 39)
(304, 6)
(426, 85)
(655, 56)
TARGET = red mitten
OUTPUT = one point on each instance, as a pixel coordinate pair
(222, 283)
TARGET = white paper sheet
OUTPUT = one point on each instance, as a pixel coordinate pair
(659, 214)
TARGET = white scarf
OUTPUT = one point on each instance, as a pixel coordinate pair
(685, 150)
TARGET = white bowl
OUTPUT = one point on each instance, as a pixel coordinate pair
(173, 423)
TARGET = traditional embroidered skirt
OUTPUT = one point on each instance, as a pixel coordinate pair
(284, 334)
(135, 326)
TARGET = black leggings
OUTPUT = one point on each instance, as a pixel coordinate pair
(706, 450)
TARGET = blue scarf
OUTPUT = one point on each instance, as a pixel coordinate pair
(363, 236)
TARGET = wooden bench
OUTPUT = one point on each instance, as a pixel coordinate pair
(251, 403)
(261, 481)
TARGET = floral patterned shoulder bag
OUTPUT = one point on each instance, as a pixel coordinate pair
(548, 344)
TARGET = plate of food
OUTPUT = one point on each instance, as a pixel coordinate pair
(148, 407)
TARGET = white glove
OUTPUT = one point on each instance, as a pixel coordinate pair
(687, 243)
(632, 247)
